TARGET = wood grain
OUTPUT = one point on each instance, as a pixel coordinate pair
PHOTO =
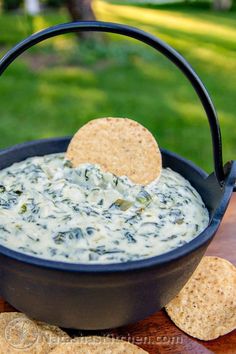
(157, 334)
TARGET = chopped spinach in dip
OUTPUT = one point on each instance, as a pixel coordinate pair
(50, 210)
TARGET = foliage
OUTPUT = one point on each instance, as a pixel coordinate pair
(11, 4)
(53, 3)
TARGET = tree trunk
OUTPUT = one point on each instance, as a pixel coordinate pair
(222, 5)
(81, 10)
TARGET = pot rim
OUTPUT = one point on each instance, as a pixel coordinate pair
(150, 262)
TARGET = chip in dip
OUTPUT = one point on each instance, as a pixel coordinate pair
(50, 210)
(121, 146)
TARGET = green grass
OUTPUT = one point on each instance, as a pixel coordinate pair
(59, 86)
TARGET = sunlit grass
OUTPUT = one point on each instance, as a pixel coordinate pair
(179, 20)
(123, 78)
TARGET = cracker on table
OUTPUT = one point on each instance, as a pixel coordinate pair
(119, 145)
(206, 307)
(53, 334)
(19, 334)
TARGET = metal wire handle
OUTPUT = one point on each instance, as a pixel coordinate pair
(150, 40)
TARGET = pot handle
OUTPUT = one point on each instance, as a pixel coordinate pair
(150, 40)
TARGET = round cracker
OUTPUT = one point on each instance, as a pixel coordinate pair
(206, 307)
(97, 345)
(53, 334)
(120, 146)
(19, 334)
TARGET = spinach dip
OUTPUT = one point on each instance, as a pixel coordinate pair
(83, 215)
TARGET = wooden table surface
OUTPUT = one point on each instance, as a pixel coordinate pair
(157, 334)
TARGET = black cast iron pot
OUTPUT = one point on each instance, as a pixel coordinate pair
(111, 295)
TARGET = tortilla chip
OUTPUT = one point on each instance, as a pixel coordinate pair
(19, 334)
(206, 307)
(120, 146)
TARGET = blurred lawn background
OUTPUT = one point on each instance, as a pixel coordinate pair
(58, 86)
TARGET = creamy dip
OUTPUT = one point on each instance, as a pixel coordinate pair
(50, 210)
